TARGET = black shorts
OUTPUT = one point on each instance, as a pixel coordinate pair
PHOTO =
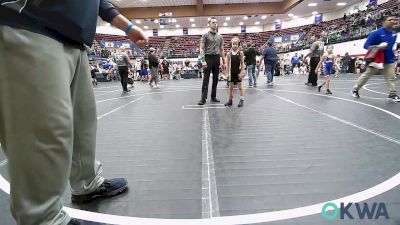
(235, 78)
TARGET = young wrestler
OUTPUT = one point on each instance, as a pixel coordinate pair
(329, 61)
(235, 72)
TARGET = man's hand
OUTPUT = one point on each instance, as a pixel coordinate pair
(224, 75)
(135, 34)
(138, 37)
(382, 45)
(242, 74)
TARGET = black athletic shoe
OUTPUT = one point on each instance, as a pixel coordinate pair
(215, 100)
(319, 88)
(108, 188)
(202, 102)
(229, 103)
(328, 92)
(240, 103)
(75, 222)
(355, 94)
(394, 98)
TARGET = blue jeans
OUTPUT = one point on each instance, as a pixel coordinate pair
(345, 68)
(269, 72)
(252, 75)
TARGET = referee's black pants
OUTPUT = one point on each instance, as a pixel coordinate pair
(123, 72)
(213, 63)
(312, 76)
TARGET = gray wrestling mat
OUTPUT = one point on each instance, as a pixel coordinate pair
(275, 161)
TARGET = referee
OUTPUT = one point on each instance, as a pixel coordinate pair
(211, 50)
(122, 61)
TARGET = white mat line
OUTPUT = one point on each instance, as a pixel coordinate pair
(116, 109)
(388, 138)
(210, 205)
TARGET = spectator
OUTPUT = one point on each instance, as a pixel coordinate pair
(153, 66)
(58, 125)
(250, 60)
(270, 58)
(295, 61)
(345, 63)
(388, 36)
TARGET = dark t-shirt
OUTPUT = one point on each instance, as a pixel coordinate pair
(250, 55)
(165, 66)
(93, 71)
(346, 59)
(153, 61)
(72, 22)
(144, 65)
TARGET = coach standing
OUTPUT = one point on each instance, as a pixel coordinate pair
(211, 50)
(315, 53)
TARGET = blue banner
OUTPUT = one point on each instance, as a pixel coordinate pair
(155, 32)
(243, 29)
(278, 25)
(117, 44)
(185, 31)
(286, 38)
(318, 18)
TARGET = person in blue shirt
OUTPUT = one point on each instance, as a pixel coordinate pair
(270, 58)
(295, 61)
(47, 106)
(387, 35)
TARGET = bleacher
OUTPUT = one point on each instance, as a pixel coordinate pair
(187, 45)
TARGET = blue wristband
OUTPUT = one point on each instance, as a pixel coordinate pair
(128, 28)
